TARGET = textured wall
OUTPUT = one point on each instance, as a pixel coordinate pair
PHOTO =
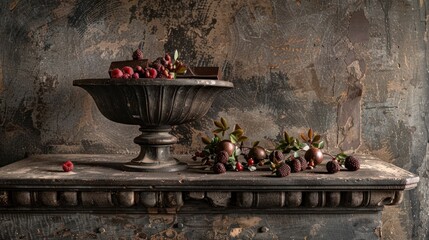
(353, 70)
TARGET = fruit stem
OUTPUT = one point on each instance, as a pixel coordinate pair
(325, 153)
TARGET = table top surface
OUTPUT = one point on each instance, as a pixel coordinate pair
(106, 171)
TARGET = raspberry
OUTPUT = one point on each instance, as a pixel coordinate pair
(333, 166)
(222, 157)
(352, 163)
(304, 163)
(138, 54)
(295, 165)
(276, 156)
(219, 168)
(283, 170)
(68, 166)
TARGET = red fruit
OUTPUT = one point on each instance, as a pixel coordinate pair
(250, 162)
(126, 76)
(136, 75)
(116, 73)
(165, 73)
(68, 166)
(139, 69)
(239, 167)
(171, 76)
(167, 58)
(147, 73)
(153, 72)
(128, 70)
(171, 67)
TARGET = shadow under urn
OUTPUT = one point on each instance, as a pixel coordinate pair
(156, 105)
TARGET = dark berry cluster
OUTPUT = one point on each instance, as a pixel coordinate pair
(290, 156)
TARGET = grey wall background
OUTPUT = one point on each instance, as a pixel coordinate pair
(355, 71)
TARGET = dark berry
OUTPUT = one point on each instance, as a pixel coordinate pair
(333, 166)
(295, 165)
(222, 157)
(138, 54)
(304, 163)
(283, 170)
(352, 163)
(276, 156)
(219, 168)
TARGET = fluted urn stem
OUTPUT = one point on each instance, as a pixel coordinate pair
(155, 144)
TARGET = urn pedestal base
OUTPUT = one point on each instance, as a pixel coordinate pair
(155, 144)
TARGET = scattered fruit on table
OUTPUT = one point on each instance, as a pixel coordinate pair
(68, 166)
(227, 150)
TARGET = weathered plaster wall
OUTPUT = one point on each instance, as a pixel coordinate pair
(354, 71)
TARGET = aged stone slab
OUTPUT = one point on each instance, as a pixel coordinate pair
(98, 182)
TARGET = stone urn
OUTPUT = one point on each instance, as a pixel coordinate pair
(155, 105)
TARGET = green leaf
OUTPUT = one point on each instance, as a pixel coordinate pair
(238, 132)
(321, 144)
(295, 154)
(302, 145)
(233, 138)
(341, 156)
(176, 55)
(291, 140)
(224, 123)
(286, 136)
(218, 124)
(236, 127)
(316, 138)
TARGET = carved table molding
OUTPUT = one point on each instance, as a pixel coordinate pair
(98, 183)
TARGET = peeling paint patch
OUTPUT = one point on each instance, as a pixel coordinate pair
(315, 229)
(235, 232)
(359, 27)
(109, 50)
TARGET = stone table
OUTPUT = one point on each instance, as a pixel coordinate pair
(100, 200)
